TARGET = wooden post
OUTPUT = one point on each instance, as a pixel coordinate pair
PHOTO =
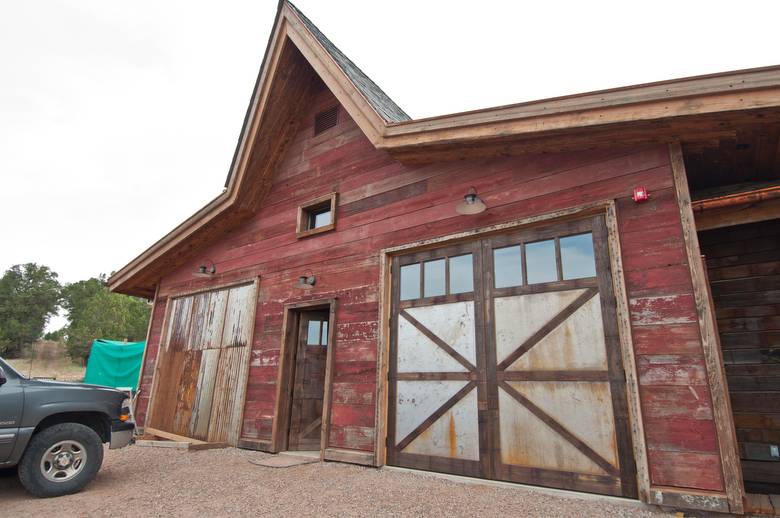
(146, 347)
(721, 407)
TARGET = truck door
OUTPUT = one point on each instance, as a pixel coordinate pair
(11, 399)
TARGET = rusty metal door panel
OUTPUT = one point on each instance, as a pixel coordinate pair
(453, 435)
(214, 319)
(416, 350)
(452, 323)
(518, 318)
(180, 324)
(416, 400)
(204, 364)
(226, 408)
(185, 398)
(585, 409)
(575, 344)
(238, 325)
(201, 414)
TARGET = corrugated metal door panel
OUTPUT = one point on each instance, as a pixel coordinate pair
(204, 363)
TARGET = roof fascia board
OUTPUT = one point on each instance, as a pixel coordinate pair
(576, 120)
(717, 92)
(257, 106)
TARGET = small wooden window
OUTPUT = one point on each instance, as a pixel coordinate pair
(317, 216)
(326, 119)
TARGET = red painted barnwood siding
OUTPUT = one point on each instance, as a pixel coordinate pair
(384, 203)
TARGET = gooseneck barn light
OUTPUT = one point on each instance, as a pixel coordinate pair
(206, 269)
(471, 204)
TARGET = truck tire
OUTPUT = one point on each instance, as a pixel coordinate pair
(61, 460)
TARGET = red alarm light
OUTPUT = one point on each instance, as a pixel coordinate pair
(640, 194)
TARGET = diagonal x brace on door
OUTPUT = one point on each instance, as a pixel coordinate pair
(436, 415)
(438, 341)
(561, 430)
(547, 328)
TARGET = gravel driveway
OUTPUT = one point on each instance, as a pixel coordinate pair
(143, 481)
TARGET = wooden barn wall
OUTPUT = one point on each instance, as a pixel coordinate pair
(383, 203)
(150, 360)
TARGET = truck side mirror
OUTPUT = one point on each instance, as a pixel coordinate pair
(3, 379)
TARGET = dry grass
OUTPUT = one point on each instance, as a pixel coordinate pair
(50, 360)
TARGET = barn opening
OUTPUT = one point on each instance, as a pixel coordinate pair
(735, 191)
(306, 357)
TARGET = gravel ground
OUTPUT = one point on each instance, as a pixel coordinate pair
(143, 481)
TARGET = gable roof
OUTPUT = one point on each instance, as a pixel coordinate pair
(375, 96)
(655, 112)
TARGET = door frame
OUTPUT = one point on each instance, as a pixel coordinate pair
(286, 372)
(606, 208)
(176, 294)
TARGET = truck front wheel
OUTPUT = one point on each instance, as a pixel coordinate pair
(61, 460)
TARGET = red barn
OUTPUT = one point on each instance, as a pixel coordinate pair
(579, 292)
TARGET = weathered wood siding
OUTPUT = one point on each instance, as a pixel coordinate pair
(383, 203)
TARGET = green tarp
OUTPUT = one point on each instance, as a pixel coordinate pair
(114, 364)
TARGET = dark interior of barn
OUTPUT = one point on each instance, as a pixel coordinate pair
(735, 191)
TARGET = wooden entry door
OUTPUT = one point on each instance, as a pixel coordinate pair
(516, 373)
(309, 381)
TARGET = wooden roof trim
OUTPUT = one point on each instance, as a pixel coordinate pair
(713, 93)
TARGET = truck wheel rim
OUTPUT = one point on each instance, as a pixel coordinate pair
(63, 461)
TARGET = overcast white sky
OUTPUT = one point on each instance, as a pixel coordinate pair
(119, 119)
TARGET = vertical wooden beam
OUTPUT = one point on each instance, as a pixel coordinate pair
(724, 419)
(281, 410)
(146, 348)
(248, 353)
(327, 396)
(383, 354)
(155, 376)
(627, 352)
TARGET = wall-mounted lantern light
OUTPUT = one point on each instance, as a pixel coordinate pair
(206, 269)
(307, 282)
(471, 204)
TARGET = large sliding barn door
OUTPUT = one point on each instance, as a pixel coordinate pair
(520, 377)
(203, 363)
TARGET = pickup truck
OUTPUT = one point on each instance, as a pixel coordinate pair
(54, 431)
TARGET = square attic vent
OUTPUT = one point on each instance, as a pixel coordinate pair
(326, 119)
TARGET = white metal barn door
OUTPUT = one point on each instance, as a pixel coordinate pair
(437, 354)
(505, 361)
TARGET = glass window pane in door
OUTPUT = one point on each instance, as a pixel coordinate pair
(410, 281)
(540, 261)
(313, 337)
(324, 340)
(434, 278)
(508, 266)
(461, 274)
(577, 256)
